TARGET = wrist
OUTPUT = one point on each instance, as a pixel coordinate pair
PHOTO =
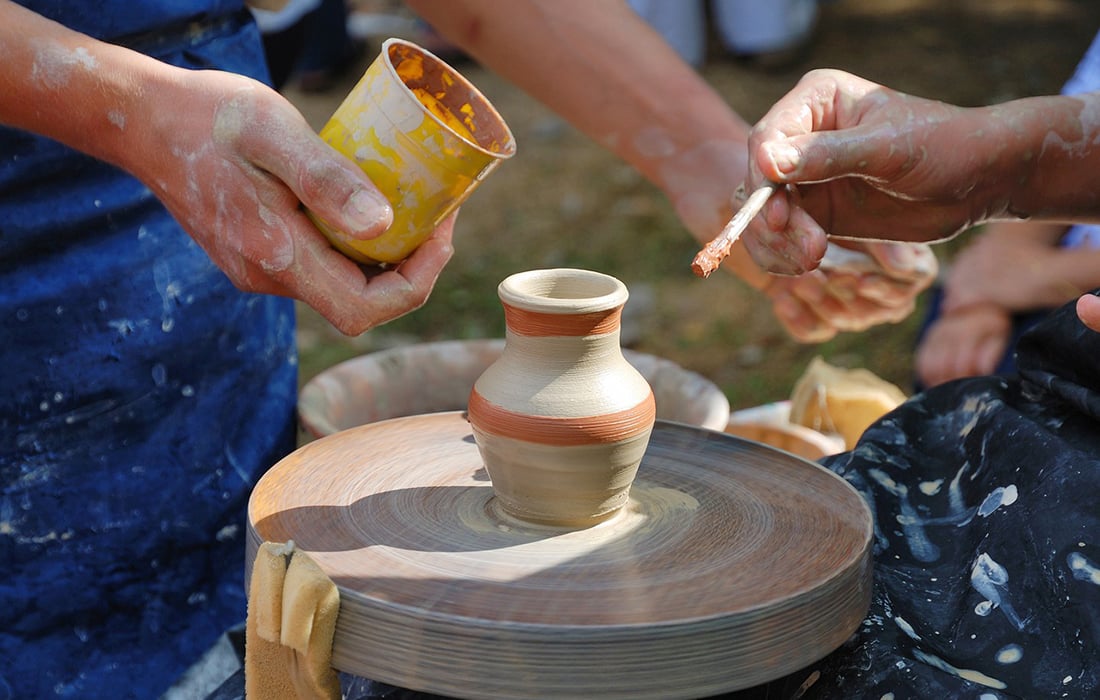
(128, 128)
(1048, 159)
(1001, 140)
(974, 309)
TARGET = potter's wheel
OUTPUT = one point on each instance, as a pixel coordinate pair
(733, 564)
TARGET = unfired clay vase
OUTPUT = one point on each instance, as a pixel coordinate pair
(561, 419)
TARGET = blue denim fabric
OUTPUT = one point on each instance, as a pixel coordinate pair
(141, 397)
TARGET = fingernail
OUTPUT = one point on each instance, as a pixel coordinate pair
(785, 156)
(366, 211)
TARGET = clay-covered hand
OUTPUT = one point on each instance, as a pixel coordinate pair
(690, 144)
(848, 293)
(868, 162)
(235, 162)
(231, 159)
(965, 343)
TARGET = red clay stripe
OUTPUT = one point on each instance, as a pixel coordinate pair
(537, 324)
(547, 430)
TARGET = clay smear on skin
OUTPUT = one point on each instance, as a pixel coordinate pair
(230, 123)
(1075, 142)
(54, 64)
(558, 431)
(280, 251)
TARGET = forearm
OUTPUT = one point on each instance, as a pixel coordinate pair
(65, 85)
(601, 67)
(1019, 266)
(1022, 234)
(1050, 147)
(1080, 272)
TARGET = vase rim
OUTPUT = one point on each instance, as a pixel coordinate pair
(563, 290)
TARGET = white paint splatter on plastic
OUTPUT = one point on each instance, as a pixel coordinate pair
(907, 628)
(1010, 654)
(931, 488)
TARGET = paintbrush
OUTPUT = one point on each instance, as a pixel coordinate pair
(711, 256)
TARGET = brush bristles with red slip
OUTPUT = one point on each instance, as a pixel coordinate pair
(711, 256)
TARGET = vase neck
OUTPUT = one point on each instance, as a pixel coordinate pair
(533, 323)
(558, 353)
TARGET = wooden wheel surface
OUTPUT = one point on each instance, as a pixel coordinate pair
(733, 564)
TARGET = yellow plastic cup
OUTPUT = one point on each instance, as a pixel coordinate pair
(424, 135)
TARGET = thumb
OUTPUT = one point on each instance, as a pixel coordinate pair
(904, 261)
(338, 192)
(1088, 310)
(827, 155)
(330, 185)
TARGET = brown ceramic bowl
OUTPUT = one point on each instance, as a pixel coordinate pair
(770, 424)
(434, 377)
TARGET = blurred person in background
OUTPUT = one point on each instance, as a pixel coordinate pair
(767, 34)
(307, 43)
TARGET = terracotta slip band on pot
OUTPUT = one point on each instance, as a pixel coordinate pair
(537, 324)
(561, 431)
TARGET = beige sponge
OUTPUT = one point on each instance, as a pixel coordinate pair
(292, 611)
(832, 399)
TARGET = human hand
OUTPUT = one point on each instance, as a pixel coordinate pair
(849, 292)
(843, 295)
(877, 282)
(965, 343)
(1088, 310)
(863, 161)
(234, 162)
(1020, 266)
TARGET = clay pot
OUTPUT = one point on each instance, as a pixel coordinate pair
(771, 425)
(562, 419)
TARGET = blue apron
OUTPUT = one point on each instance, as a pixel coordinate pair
(141, 396)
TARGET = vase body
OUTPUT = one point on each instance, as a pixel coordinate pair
(562, 419)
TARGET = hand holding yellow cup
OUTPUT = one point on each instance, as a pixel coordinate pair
(424, 135)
